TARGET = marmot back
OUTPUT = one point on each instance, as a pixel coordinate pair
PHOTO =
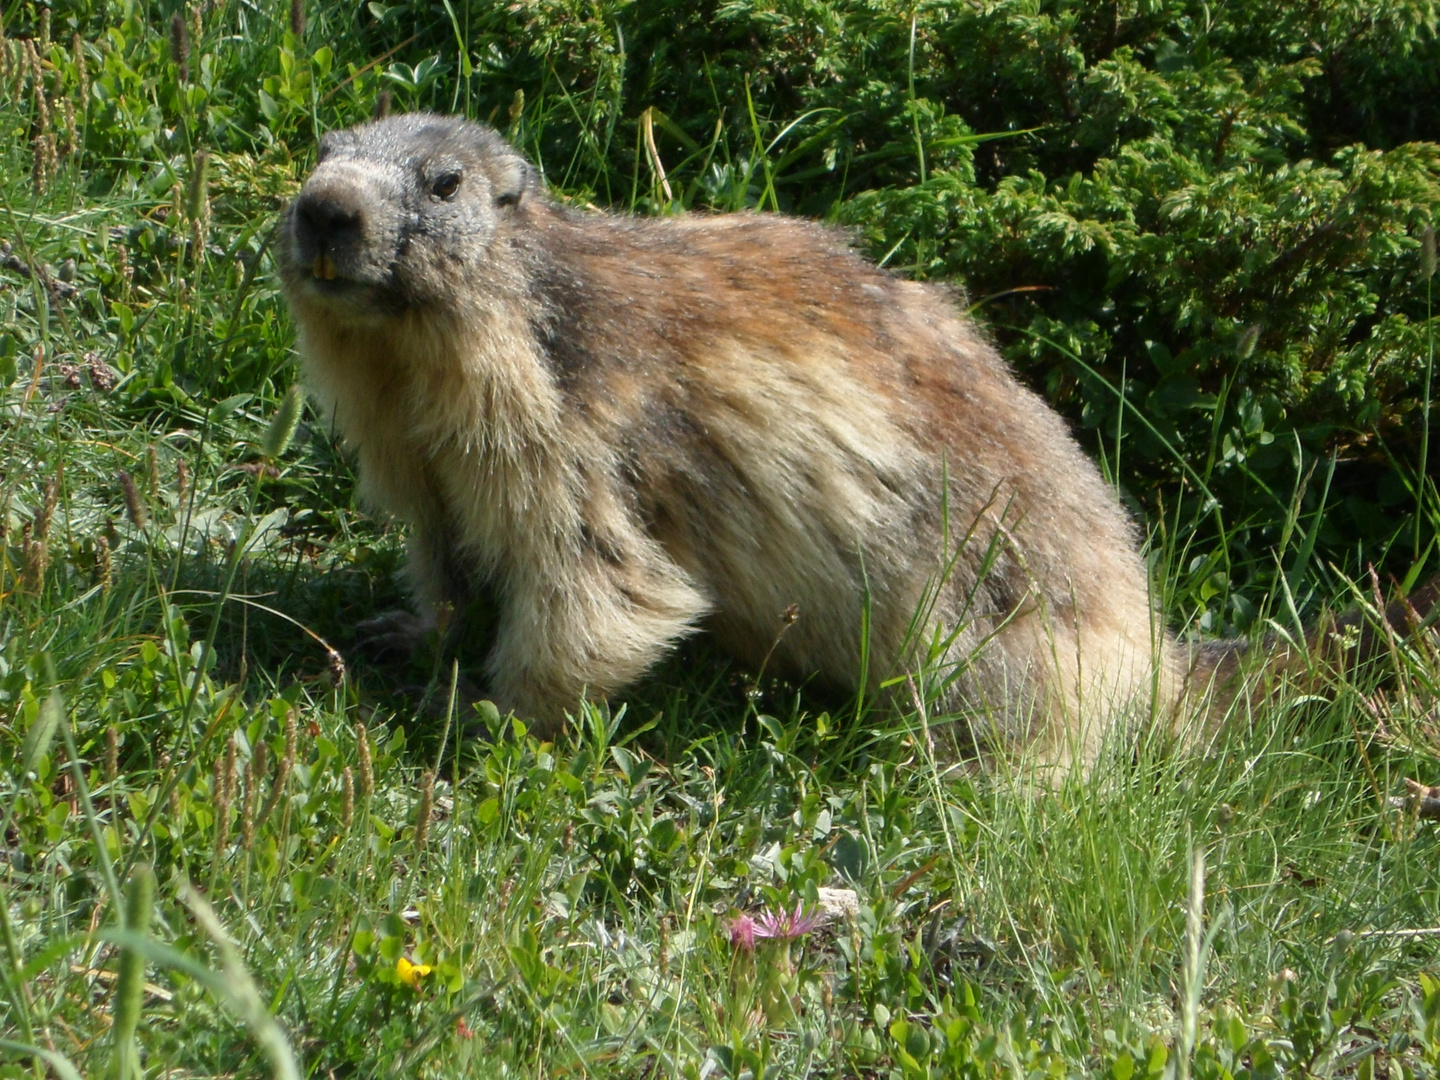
(630, 429)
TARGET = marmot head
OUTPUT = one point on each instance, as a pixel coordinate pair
(402, 213)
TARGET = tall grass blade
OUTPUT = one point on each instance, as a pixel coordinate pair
(130, 983)
(240, 991)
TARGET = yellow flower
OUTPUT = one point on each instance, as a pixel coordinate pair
(411, 974)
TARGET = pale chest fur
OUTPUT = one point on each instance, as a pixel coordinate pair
(452, 431)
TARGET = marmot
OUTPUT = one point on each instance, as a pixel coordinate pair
(632, 429)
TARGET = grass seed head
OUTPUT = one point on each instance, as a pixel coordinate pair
(37, 88)
(112, 756)
(220, 797)
(180, 46)
(282, 428)
(423, 811)
(70, 139)
(45, 515)
(382, 106)
(297, 18)
(42, 31)
(42, 165)
(231, 756)
(104, 569)
(1427, 253)
(283, 770)
(1245, 344)
(164, 763)
(367, 767)
(292, 738)
(347, 797)
(123, 270)
(82, 71)
(152, 471)
(134, 503)
(197, 205)
(36, 556)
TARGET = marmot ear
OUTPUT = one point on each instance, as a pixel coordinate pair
(511, 181)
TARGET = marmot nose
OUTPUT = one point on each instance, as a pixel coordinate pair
(328, 220)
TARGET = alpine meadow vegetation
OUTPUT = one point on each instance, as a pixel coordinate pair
(1206, 232)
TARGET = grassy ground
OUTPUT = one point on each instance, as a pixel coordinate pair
(351, 878)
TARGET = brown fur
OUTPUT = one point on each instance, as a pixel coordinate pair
(633, 429)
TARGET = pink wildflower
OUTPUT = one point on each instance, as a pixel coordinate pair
(742, 933)
(787, 925)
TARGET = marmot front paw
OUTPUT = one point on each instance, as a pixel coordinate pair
(393, 635)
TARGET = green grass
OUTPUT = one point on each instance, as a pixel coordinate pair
(572, 901)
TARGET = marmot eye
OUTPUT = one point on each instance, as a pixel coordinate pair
(445, 185)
